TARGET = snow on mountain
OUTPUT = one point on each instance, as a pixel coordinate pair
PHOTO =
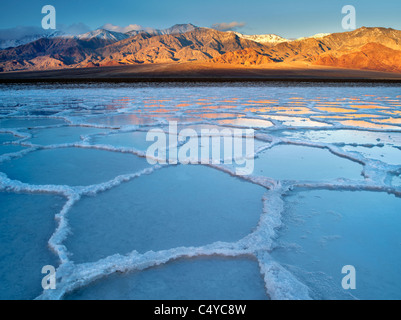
(103, 34)
(11, 43)
(262, 38)
(176, 29)
(109, 33)
(179, 28)
(126, 29)
(151, 31)
(316, 36)
(274, 39)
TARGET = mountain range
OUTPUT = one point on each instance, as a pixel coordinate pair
(364, 48)
(100, 33)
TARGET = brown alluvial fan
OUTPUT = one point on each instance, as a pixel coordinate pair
(372, 56)
(246, 57)
(365, 48)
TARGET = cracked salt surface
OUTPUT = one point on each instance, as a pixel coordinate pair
(135, 140)
(325, 192)
(71, 166)
(61, 135)
(385, 154)
(27, 123)
(26, 224)
(358, 137)
(7, 137)
(10, 148)
(291, 162)
(202, 278)
(325, 230)
(195, 206)
(396, 181)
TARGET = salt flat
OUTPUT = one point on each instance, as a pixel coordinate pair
(79, 193)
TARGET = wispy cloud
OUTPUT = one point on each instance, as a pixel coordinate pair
(131, 27)
(19, 32)
(22, 32)
(74, 29)
(224, 26)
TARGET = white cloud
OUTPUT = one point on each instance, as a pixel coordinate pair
(224, 26)
(74, 29)
(131, 27)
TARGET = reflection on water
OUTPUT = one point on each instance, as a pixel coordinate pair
(366, 124)
(246, 122)
(121, 119)
(141, 106)
(206, 115)
(336, 110)
(296, 121)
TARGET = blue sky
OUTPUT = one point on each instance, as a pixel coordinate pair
(288, 18)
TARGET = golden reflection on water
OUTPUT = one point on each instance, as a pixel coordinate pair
(347, 116)
(331, 103)
(390, 120)
(162, 110)
(296, 121)
(368, 106)
(155, 101)
(366, 111)
(262, 101)
(366, 124)
(293, 110)
(214, 107)
(258, 109)
(335, 109)
(246, 122)
(218, 115)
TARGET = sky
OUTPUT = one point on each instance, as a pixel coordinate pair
(287, 18)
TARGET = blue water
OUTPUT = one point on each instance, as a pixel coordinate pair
(78, 193)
